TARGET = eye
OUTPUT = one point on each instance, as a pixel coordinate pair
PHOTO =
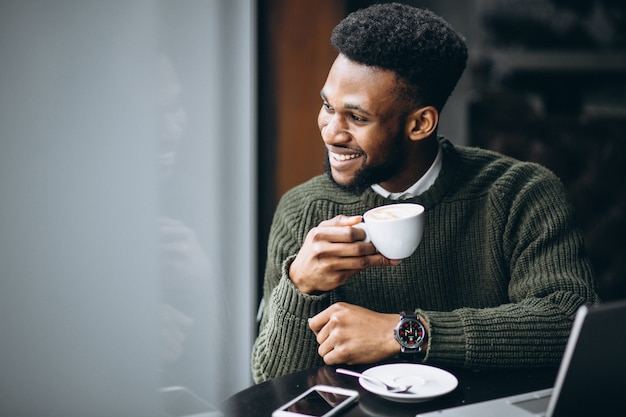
(327, 106)
(358, 118)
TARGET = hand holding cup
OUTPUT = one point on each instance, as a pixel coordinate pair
(396, 230)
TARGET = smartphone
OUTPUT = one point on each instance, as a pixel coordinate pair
(318, 401)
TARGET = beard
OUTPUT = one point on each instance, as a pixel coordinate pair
(366, 176)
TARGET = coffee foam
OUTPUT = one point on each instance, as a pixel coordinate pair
(392, 213)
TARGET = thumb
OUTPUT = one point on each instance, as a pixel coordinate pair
(348, 220)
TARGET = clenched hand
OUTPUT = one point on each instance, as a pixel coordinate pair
(351, 334)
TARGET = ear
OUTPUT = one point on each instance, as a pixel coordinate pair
(422, 123)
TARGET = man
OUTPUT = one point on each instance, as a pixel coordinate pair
(501, 268)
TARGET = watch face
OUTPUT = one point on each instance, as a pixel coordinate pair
(411, 334)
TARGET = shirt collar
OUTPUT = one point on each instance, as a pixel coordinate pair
(423, 184)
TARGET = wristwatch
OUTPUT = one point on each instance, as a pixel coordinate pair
(411, 335)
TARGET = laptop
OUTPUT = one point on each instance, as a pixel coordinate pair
(591, 380)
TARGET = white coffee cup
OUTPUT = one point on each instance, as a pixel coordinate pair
(396, 230)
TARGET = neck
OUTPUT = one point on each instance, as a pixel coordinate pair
(420, 157)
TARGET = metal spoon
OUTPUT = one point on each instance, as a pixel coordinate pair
(390, 388)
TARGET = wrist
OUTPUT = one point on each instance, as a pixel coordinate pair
(291, 270)
(424, 322)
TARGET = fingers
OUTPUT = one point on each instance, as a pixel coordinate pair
(324, 271)
(320, 326)
(331, 254)
(351, 334)
(342, 220)
(317, 322)
(334, 251)
(326, 327)
(336, 234)
(354, 263)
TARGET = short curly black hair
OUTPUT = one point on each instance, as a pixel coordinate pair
(420, 47)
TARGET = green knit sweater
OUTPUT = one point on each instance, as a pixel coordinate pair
(499, 274)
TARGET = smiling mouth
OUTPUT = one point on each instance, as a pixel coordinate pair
(344, 157)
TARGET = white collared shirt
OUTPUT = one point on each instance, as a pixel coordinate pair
(423, 184)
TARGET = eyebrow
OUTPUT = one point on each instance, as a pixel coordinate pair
(347, 106)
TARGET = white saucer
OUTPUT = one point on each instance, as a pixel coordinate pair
(426, 382)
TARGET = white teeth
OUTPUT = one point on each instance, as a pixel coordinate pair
(341, 157)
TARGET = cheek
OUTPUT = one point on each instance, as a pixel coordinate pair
(372, 142)
(322, 119)
(381, 148)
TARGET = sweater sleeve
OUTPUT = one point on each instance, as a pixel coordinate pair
(285, 342)
(549, 276)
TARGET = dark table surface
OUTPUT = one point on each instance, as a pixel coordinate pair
(474, 386)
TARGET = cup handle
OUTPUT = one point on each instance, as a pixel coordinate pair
(363, 227)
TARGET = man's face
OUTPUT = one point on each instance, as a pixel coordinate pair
(362, 126)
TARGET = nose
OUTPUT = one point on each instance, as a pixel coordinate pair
(332, 128)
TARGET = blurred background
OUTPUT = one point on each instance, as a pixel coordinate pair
(127, 206)
(144, 145)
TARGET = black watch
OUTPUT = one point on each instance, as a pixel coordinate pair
(411, 335)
